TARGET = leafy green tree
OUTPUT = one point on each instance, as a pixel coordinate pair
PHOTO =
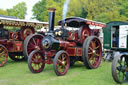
(116, 12)
(40, 9)
(76, 9)
(99, 10)
(110, 16)
(18, 11)
(123, 7)
(3, 12)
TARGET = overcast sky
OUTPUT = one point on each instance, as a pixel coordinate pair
(5, 4)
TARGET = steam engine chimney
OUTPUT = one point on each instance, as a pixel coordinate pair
(51, 19)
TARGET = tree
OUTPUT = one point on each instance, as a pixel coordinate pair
(123, 7)
(40, 9)
(115, 12)
(99, 10)
(110, 16)
(3, 12)
(76, 8)
(18, 11)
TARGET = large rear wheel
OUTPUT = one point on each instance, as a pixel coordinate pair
(92, 52)
(3, 55)
(83, 33)
(32, 42)
(26, 31)
(120, 68)
(61, 63)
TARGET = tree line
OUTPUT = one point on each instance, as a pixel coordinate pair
(98, 10)
(19, 11)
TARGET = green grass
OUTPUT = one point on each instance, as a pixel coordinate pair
(17, 73)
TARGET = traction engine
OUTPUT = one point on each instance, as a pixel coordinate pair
(63, 47)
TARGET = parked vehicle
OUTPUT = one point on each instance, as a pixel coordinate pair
(116, 43)
(74, 41)
(115, 38)
(11, 42)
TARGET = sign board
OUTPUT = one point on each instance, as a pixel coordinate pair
(123, 32)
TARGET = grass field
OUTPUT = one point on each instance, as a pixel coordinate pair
(17, 73)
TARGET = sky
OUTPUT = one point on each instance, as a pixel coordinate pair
(6, 4)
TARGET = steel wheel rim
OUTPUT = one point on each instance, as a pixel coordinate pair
(34, 44)
(94, 53)
(37, 62)
(27, 32)
(122, 68)
(62, 63)
(85, 32)
(3, 55)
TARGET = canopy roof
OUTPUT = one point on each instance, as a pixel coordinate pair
(9, 21)
(78, 22)
(115, 23)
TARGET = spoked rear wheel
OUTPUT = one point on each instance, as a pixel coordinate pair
(61, 63)
(120, 68)
(3, 55)
(26, 31)
(92, 52)
(36, 61)
(83, 33)
(32, 42)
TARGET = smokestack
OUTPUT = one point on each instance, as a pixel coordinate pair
(51, 19)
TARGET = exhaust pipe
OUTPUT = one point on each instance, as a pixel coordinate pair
(51, 19)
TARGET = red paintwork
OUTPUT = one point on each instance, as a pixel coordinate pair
(14, 46)
(95, 23)
(85, 32)
(73, 36)
(66, 44)
(3, 41)
(26, 31)
(78, 51)
(48, 55)
(15, 41)
(14, 36)
(74, 51)
(71, 51)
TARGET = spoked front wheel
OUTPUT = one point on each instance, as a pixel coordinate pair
(36, 61)
(120, 68)
(3, 55)
(61, 63)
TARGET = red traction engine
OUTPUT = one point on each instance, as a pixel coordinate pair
(63, 47)
(12, 42)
